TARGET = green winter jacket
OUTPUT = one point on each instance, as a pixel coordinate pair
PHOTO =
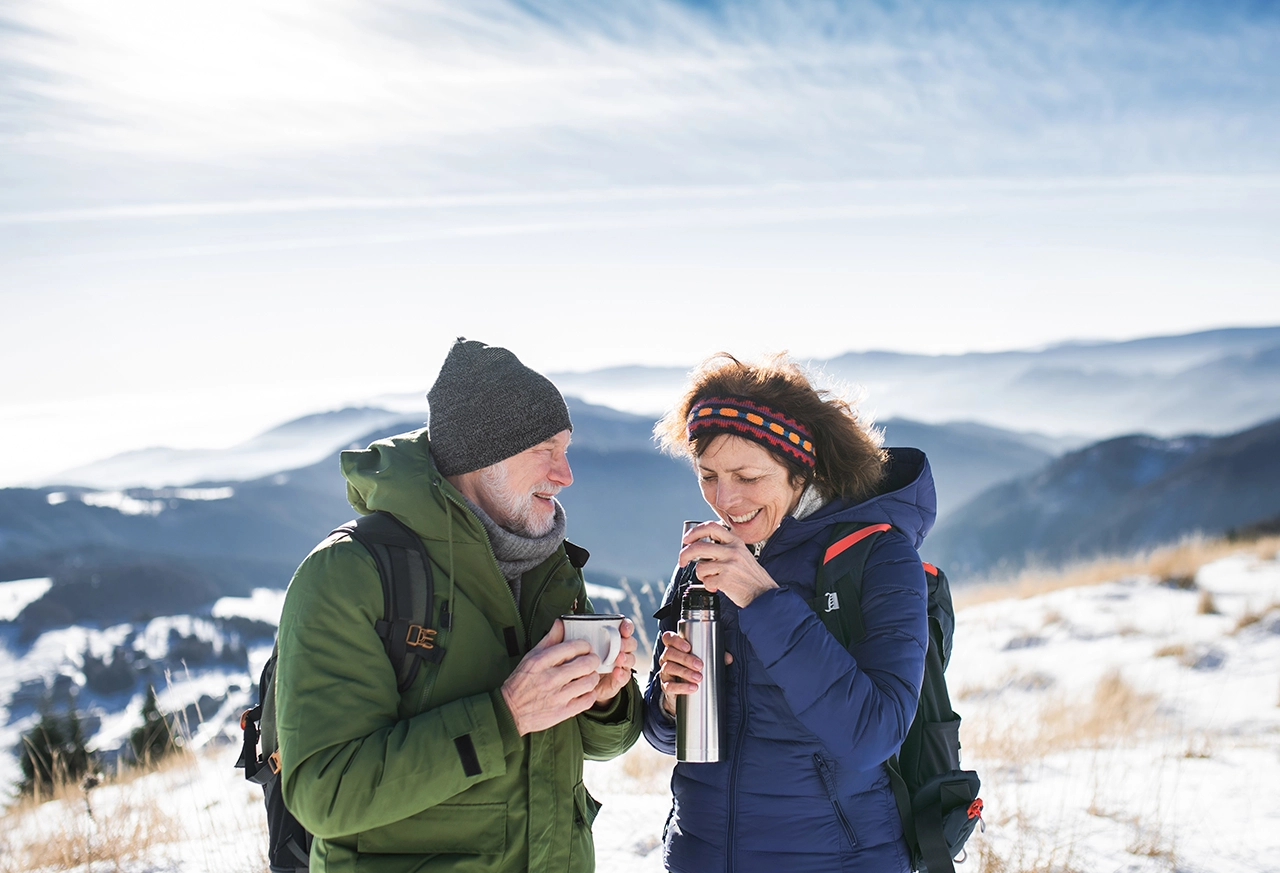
(381, 779)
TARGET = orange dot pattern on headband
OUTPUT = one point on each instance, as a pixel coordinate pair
(748, 418)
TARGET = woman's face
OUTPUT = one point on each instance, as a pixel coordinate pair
(747, 486)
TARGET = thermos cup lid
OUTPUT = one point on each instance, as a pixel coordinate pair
(698, 597)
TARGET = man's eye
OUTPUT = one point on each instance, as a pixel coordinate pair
(747, 480)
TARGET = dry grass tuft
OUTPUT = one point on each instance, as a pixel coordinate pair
(1199, 746)
(1115, 709)
(1206, 605)
(1174, 564)
(68, 835)
(650, 769)
(1111, 713)
(1252, 617)
(140, 820)
(179, 759)
(1148, 841)
(1172, 650)
(1041, 853)
(1010, 680)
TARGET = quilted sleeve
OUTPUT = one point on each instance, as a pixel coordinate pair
(859, 701)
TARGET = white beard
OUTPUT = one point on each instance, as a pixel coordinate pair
(515, 511)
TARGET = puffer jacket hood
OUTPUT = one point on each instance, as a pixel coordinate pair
(907, 500)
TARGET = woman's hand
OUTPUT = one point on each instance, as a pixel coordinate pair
(726, 563)
(679, 670)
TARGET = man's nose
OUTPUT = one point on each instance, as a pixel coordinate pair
(560, 473)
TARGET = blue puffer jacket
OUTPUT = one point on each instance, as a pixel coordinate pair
(802, 787)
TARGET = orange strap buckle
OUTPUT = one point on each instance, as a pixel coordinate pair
(420, 637)
(975, 808)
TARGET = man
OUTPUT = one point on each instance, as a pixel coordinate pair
(478, 765)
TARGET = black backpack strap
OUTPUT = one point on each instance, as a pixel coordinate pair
(408, 592)
(902, 797)
(942, 614)
(249, 761)
(256, 766)
(838, 594)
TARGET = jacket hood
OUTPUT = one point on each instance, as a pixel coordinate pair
(907, 501)
(398, 475)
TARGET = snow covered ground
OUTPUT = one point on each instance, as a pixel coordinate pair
(1128, 726)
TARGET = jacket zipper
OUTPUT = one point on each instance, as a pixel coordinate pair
(537, 599)
(519, 619)
(829, 782)
(738, 739)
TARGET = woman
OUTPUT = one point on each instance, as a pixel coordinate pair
(801, 785)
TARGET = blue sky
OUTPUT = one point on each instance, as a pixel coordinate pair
(215, 216)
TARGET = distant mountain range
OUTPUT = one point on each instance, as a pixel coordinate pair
(1115, 497)
(298, 443)
(1213, 382)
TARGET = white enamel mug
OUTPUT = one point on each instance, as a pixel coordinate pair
(603, 632)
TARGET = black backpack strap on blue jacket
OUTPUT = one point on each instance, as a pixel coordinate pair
(937, 801)
(838, 599)
(408, 592)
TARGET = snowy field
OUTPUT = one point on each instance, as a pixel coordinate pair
(1127, 726)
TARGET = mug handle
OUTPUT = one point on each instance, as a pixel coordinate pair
(615, 647)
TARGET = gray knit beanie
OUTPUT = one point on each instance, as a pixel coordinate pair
(487, 406)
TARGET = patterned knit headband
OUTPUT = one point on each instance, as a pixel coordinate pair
(755, 421)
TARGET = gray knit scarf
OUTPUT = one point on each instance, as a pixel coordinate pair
(516, 554)
(810, 502)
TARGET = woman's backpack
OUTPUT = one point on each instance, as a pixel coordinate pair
(407, 636)
(937, 801)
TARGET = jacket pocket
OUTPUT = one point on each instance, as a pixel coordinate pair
(939, 750)
(586, 806)
(582, 850)
(452, 828)
(828, 778)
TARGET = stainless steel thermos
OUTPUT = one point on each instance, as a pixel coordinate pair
(699, 728)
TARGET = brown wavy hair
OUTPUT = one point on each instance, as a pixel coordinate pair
(850, 460)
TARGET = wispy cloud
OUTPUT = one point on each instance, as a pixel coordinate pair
(526, 214)
(910, 188)
(358, 95)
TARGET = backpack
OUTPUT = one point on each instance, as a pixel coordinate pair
(937, 801)
(407, 636)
